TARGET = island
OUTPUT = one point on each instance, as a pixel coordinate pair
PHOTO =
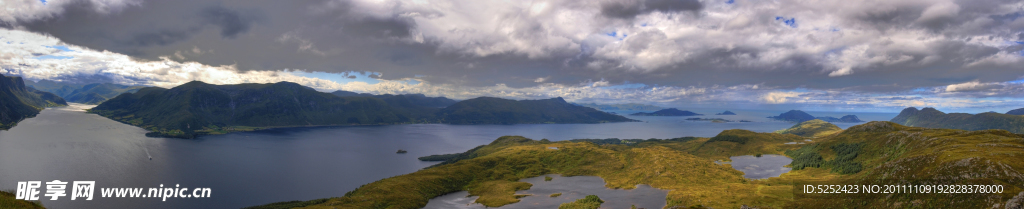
(793, 116)
(844, 119)
(801, 116)
(871, 152)
(713, 120)
(931, 118)
(667, 112)
(726, 113)
(812, 128)
(18, 101)
(196, 108)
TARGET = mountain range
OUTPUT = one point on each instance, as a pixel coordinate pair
(198, 108)
(932, 118)
(18, 101)
(94, 93)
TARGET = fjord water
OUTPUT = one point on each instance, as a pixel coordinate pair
(254, 168)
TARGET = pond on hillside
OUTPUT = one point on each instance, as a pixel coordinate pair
(572, 188)
(763, 167)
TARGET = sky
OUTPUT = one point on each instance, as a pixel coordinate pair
(829, 55)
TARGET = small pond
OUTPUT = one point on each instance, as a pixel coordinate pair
(572, 188)
(763, 167)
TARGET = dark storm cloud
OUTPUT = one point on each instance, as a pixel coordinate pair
(630, 9)
(230, 21)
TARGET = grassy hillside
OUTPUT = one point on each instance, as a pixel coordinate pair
(7, 201)
(932, 118)
(18, 102)
(812, 128)
(490, 110)
(864, 154)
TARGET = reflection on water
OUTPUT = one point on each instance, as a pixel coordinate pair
(572, 188)
(763, 167)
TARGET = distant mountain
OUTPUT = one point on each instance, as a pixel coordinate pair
(87, 94)
(844, 119)
(490, 110)
(794, 116)
(667, 112)
(932, 118)
(614, 107)
(812, 128)
(801, 116)
(1016, 112)
(197, 108)
(726, 113)
(18, 101)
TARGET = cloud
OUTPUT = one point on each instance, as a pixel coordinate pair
(866, 46)
(972, 86)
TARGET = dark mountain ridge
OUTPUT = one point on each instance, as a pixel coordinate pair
(931, 118)
(197, 108)
(18, 101)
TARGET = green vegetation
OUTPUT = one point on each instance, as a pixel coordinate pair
(547, 178)
(812, 128)
(869, 152)
(555, 194)
(588, 202)
(667, 112)
(7, 201)
(932, 118)
(197, 108)
(489, 110)
(18, 102)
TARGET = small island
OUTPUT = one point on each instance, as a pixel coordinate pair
(726, 113)
(667, 112)
(801, 116)
(844, 119)
(401, 151)
(713, 120)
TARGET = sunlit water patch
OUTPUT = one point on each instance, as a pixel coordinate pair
(571, 189)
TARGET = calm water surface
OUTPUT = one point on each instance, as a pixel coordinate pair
(253, 168)
(763, 167)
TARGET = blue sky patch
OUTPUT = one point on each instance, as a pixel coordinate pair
(340, 77)
(50, 57)
(730, 1)
(62, 48)
(44, 1)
